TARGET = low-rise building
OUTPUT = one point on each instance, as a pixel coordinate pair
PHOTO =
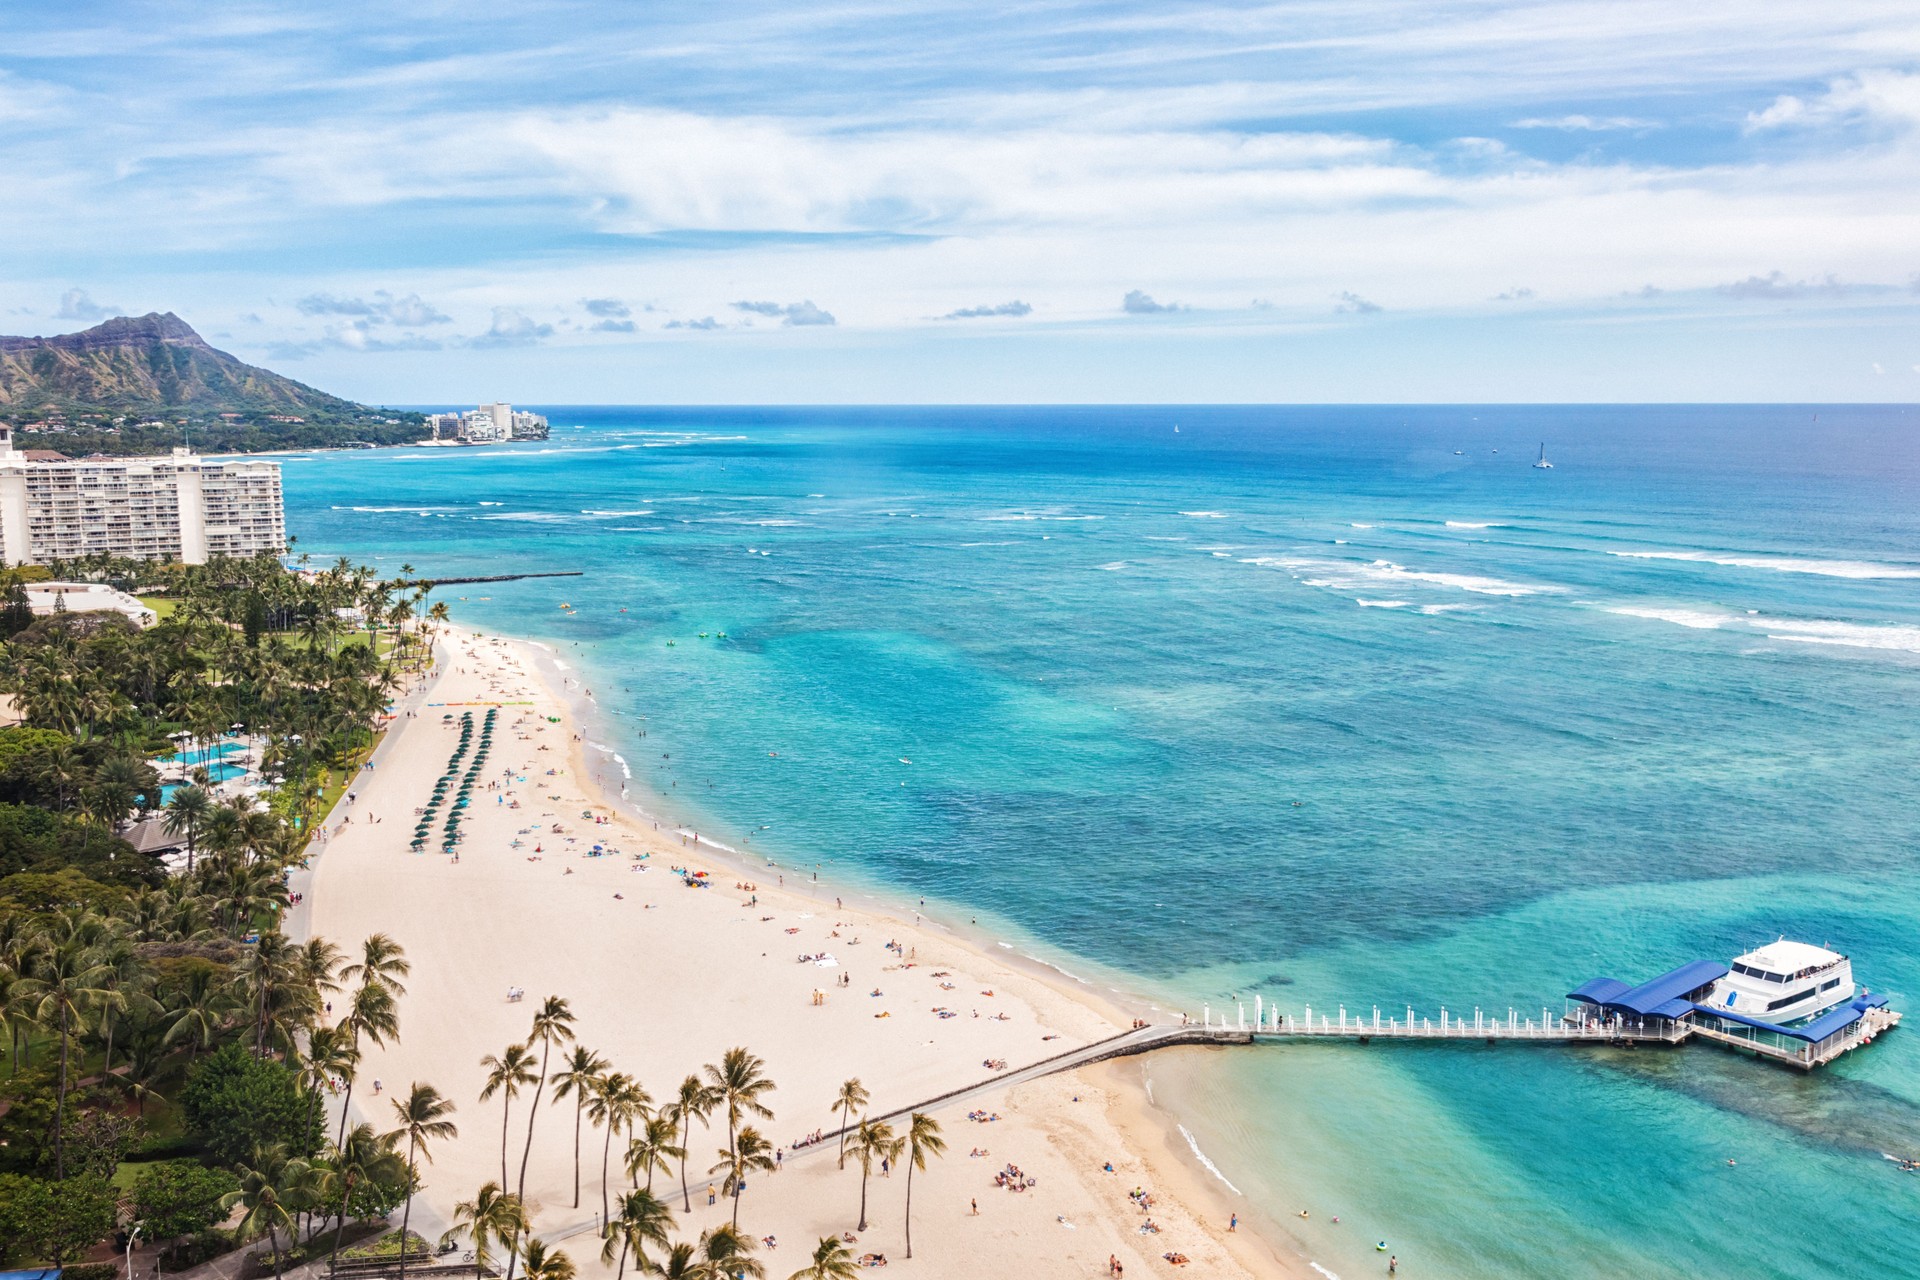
(87, 597)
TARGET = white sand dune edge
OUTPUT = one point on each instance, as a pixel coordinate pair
(663, 978)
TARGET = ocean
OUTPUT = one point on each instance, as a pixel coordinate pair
(1336, 706)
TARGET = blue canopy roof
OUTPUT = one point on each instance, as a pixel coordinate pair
(1663, 997)
(1648, 998)
(1597, 990)
(1835, 1019)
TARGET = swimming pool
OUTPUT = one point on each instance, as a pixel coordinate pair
(208, 754)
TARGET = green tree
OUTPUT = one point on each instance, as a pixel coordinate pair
(694, 1102)
(544, 1263)
(751, 1153)
(873, 1141)
(832, 1260)
(582, 1072)
(423, 1121)
(174, 1198)
(923, 1140)
(552, 1024)
(55, 1221)
(492, 1217)
(851, 1101)
(642, 1221)
(234, 1103)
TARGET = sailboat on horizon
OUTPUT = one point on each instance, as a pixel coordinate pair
(1543, 464)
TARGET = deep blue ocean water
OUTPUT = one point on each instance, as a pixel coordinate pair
(1331, 705)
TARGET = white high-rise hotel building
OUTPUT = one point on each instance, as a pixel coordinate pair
(176, 507)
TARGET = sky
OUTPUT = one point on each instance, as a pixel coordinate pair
(1057, 200)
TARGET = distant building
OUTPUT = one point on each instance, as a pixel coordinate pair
(174, 507)
(487, 424)
(87, 597)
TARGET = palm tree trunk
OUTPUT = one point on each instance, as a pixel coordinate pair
(579, 1104)
(533, 1109)
(506, 1110)
(606, 1154)
(863, 1199)
(621, 1274)
(273, 1239)
(333, 1259)
(406, 1215)
(909, 1206)
(60, 1106)
(686, 1136)
(738, 1187)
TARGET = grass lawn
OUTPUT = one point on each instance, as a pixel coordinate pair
(162, 606)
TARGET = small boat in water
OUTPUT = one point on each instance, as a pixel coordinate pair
(1784, 982)
(1542, 464)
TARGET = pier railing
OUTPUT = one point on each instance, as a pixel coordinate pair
(1272, 1023)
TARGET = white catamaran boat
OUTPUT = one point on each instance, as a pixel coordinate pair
(1542, 464)
(1784, 982)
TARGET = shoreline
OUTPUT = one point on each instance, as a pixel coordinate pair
(1152, 1132)
(697, 954)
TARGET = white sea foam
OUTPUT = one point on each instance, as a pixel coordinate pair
(1205, 515)
(643, 511)
(1384, 604)
(397, 511)
(1357, 525)
(1117, 564)
(527, 517)
(1885, 636)
(1474, 524)
(1346, 575)
(1699, 619)
(493, 504)
(1780, 564)
(1450, 608)
(561, 665)
(1201, 1156)
(1322, 1270)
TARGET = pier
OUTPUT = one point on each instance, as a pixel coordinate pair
(1660, 1012)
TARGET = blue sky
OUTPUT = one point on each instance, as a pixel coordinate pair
(1351, 200)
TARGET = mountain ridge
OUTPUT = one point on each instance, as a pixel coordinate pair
(151, 363)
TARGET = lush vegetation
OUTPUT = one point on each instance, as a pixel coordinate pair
(89, 433)
(148, 1014)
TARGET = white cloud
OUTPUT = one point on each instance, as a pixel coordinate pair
(511, 328)
(1881, 96)
(1139, 303)
(382, 308)
(1587, 124)
(1015, 308)
(790, 313)
(75, 304)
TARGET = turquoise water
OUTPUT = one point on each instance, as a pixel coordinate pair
(1304, 703)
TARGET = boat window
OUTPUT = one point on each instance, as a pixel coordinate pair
(1830, 984)
(1784, 1001)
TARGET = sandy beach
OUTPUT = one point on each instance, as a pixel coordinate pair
(663, 977)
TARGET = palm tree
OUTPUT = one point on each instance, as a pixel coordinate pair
(506, 1076)
(873, 1141)
(492, 1217)
(544, 1265)
(617, 1102)
(330, 1055)
(923, 1140)
(261, 1193)
(751, 1153)
(382, 962)
(371, 1015)
(423, 1120)
(583, 1068)
(738, 1081)
(186, 809)
(66, 981)
(653, 1148)
(832, 1260)
(853, 1100)
(725, 1253)
(552, 1023)
(363, 1158)
(643, 1220)
(681, 1263)
(696, 1101)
